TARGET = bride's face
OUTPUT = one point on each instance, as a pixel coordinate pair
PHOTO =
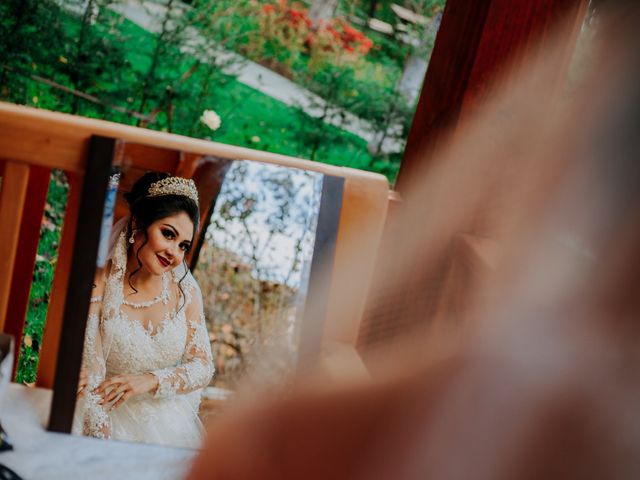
(168, 239)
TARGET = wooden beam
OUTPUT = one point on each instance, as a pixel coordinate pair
(53, 325)
(476, 43)
(24, 264)
(12, 200)
(81, 277)
(476, 40)
(209, 176)
(145, 157)
(60, 140)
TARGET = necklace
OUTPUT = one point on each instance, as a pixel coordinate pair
(163, 297)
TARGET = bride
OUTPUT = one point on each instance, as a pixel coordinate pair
(147, 354)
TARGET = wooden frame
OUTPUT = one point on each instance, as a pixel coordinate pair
(324, 250)
(101, 153)
(83, 269)
(14, 192)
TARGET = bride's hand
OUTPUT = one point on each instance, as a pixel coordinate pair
(82, 382)
(119, 388)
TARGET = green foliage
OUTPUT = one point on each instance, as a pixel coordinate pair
(42, 278)
(279, 36)
(132, 74)
(93, 61)
(228, 23)
(29, 31)
(249, 118)
(284, 46)
(384, 12)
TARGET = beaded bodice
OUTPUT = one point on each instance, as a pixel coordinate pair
(176, 349)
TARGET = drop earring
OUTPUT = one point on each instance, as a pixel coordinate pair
(132, 237)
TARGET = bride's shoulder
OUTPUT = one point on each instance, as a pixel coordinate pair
(182, 275)
(186, 282)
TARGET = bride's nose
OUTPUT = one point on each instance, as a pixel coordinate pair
(170, 252)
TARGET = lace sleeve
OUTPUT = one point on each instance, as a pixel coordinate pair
(94, 420)
(196, 368)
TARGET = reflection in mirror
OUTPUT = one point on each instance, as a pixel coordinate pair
(253, 268)
(156, 332)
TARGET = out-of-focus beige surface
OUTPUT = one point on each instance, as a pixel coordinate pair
(534, 373)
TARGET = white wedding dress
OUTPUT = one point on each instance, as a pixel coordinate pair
(177, 351)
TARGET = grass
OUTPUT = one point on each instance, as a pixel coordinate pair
(255, 120)
(249, 117)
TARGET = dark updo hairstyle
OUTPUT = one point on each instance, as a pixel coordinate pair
(146, 210)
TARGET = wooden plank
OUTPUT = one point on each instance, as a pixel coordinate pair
(373, 326)
(83, 269)
(446, 80)
(12, 199)
(147, 157)
(316, 305)
(209, 177)
(26, 254)
(59, 140)
(363, 216)
(53, 325)
(188, 164)
(515, 29)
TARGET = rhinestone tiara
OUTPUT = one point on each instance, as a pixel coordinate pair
(114, 180)
(174, 186)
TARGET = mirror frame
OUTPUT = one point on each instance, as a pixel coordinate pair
(83, 267)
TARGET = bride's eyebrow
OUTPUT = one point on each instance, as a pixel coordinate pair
(175, 231)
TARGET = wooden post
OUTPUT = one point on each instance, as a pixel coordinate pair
(475, 41)
(53, 325)
(36, 197)
(12, 200)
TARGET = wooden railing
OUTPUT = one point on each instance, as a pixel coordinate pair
(33, 142)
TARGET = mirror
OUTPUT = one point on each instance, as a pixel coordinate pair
(253, 268)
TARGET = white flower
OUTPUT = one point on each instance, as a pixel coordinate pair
(211, 119)
(255, 139)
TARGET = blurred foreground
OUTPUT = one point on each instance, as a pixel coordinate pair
(533, 373)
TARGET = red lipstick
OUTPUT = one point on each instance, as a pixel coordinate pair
(163, 261)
